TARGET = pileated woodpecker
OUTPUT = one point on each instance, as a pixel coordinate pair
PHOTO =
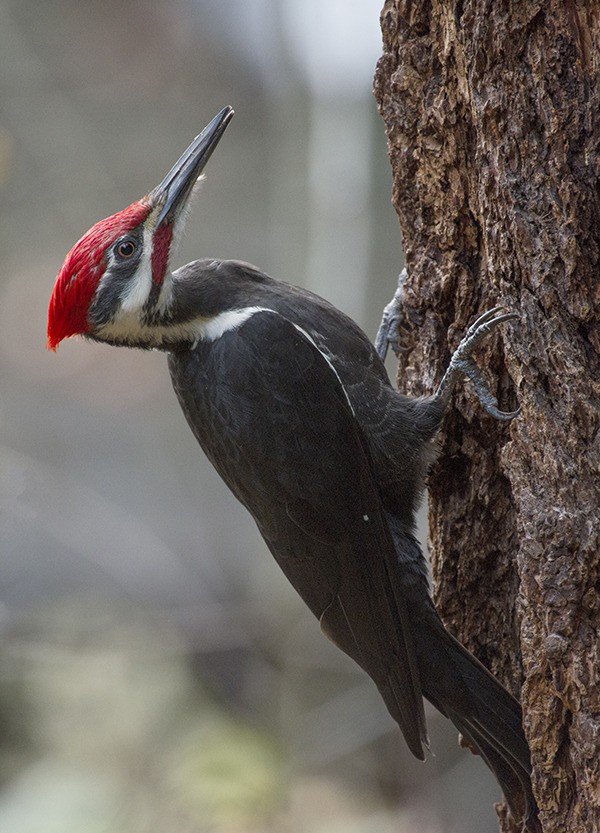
(292, 405)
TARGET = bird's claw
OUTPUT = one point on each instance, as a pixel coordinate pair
(462, 364)
(482, 327)
(393, 315)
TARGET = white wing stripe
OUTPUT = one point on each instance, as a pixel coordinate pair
(308, 337)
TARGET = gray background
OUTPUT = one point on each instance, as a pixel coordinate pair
(156, 671)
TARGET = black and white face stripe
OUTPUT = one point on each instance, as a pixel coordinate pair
(128, 295)
(120, 284)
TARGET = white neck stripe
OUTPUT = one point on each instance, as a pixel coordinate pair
(128, 329)
(213, 328)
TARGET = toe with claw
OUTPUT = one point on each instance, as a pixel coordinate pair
(462, 364)
(387, 334)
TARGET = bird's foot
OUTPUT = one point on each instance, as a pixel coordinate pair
(462, 364)
(387, 334)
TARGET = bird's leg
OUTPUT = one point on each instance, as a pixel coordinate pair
(387, 334)
(462, 364)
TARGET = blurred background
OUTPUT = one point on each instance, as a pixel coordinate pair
(157, 673)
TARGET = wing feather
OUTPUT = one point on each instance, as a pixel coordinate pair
(271, 413)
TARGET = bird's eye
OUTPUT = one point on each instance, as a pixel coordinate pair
(126, 249)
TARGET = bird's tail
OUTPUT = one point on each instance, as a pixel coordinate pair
(483, 711)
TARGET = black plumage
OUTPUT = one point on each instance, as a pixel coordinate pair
(293, 406)
(295, 410)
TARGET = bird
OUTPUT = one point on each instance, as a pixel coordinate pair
(291, 403)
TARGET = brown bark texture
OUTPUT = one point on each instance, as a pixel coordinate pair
(492, 112)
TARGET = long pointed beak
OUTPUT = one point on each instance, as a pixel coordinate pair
(176, 187)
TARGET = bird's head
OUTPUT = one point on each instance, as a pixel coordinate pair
(115, 282)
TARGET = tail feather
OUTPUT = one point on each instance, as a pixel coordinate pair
(515, 783)
(483, 711)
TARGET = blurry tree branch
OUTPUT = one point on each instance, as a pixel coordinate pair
(491, 116)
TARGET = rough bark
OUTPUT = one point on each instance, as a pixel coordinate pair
(491, 110)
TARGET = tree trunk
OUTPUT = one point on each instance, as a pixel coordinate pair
(491, 110)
